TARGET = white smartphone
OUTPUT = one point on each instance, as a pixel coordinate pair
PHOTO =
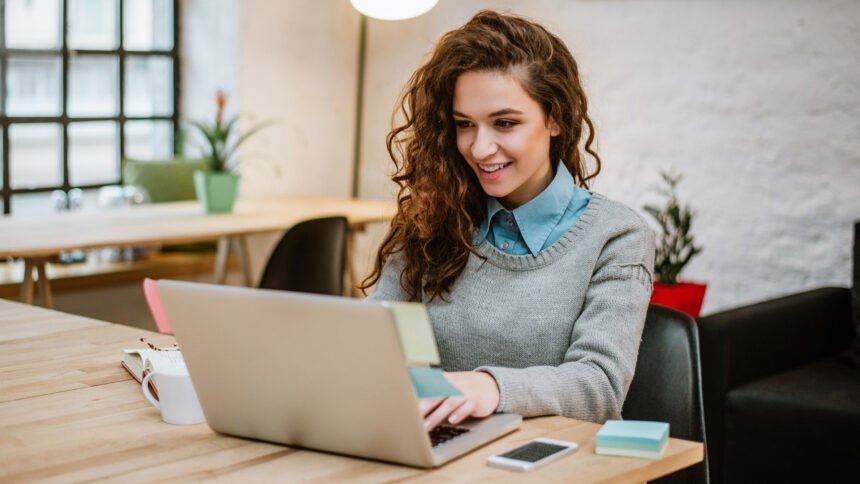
(533, 455)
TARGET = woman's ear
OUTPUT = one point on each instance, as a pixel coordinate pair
(554, 130)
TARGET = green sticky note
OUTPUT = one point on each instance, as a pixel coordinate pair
(431, 382)
(416, 333)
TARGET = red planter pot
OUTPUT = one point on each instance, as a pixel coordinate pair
(683, 296)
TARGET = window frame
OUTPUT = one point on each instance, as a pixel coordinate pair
(66, 53)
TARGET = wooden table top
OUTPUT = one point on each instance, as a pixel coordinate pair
(69, 412)
(171, 223)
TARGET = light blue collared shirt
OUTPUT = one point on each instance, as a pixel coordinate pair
(538, 223)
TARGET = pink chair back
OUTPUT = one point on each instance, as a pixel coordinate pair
(150, 291)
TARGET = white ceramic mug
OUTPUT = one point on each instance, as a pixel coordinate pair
(178, 401)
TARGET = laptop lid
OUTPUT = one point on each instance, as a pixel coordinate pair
(352, 395)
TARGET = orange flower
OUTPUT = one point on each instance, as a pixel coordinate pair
(221, 101)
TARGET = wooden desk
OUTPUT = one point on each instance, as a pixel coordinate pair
(69, 412)
(35, 239)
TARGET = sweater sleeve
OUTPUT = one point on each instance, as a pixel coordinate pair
(592, 381)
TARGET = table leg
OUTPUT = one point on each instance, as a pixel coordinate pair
(27, 282)
(44, 284)
(221, 260)
(240, 244)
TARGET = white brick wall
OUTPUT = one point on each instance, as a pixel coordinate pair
(757, 102)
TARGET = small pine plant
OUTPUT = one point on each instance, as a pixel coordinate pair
(675, 247)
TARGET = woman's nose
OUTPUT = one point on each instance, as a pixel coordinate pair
(484, 145)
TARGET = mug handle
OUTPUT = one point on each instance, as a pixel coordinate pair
(147, 392)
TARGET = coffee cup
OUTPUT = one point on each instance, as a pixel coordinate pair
(177, 399)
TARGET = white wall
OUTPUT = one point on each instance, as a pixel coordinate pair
(209, 46)
(756, 102)
(298, 65)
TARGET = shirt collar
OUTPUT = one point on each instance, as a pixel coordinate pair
(538, 217)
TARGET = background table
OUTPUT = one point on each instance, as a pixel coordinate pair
(35, 239)
(69, 412)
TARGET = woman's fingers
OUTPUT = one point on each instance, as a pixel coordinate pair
(480, 397)
(460, 414)
(441, 413)
(427, 405)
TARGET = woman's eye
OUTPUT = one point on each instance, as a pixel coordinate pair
(506, 123)
(462, 124)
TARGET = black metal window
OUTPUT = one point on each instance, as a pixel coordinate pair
(83, 83)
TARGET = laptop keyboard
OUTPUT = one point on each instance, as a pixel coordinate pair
(444, 433)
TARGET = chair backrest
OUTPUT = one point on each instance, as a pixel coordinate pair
(169, 180)
(667, 386)
(310, 257)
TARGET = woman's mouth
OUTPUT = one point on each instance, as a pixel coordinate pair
(493, 167)
(492, 171)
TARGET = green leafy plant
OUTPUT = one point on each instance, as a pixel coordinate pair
(675, 247)
(221, 142)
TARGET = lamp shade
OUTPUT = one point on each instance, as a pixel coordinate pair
(393, 9)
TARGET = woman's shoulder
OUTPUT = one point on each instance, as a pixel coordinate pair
(613, 215)
(388, 286)
(623, 232)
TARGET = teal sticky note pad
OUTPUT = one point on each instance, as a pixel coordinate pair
(431, 382)
(415, 331)
(634, 433)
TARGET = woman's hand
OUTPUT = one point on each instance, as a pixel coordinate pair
(480, 399)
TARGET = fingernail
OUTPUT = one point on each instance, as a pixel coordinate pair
(453, 419)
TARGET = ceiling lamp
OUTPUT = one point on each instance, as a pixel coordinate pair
(393, 9)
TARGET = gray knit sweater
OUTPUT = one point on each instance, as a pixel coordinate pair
(559, 331)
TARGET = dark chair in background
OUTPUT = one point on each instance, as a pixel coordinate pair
(782, 387)
(310, 257)
(778, 405)
(667, 386)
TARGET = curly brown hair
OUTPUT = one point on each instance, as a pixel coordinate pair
(440, 202)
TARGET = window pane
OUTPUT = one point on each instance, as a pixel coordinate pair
(35, 155)
(34, 86)
(149, 140)
(93, 153)
(28, 204)
(46, 203)
(148, 86)
(33, 24)
(92, 24)
(93, 86)
(147, 24)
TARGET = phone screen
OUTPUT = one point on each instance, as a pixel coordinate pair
(533, 451)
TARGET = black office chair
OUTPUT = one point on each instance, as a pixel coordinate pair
(310, 257)
(667, 386)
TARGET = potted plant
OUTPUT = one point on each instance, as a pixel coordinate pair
(675, 248)
(218, 186)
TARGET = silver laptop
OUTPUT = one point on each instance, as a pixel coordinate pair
(319, 372)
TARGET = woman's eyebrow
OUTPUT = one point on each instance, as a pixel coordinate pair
(505, 111)
(500, 112)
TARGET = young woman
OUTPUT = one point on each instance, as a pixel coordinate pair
(537, 288)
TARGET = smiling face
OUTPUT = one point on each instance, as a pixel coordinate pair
(504, 135)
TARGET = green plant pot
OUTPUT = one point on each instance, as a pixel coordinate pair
(216, 191)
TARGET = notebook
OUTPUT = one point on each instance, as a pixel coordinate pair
(139, 362)
(320, 372)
